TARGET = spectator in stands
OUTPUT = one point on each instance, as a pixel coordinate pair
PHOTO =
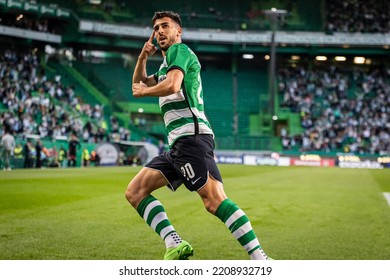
(114, 124)
(125, 134)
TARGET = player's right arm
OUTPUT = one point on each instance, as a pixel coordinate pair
(140, 68)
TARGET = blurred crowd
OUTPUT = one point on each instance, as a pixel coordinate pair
(33, 106)
(344, 111)
(368, 16)
(46, 107)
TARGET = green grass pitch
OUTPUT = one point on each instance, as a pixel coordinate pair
(297, 213)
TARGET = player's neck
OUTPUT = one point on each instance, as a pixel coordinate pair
(164, 52)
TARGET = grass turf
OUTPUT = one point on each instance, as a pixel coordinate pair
(297, 213)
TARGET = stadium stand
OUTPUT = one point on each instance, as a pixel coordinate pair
(343, 110)
(38, 105)
(234, 15)
(370, 16)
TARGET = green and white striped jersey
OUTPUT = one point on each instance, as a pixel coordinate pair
(183, 112)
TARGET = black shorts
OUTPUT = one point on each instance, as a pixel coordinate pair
(188, 162)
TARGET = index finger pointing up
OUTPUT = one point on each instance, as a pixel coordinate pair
(151, 37)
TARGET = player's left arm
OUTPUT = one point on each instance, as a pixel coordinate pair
(170, 85)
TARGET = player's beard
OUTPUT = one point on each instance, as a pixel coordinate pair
(170, 42)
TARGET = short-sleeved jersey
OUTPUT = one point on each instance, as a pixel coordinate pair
(183, 112)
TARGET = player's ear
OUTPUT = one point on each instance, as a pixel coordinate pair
(179, 30)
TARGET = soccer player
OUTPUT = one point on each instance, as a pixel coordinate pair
(190, 159)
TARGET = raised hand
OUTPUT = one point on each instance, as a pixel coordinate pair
(149, 49)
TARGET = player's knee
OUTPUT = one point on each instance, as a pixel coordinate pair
(210, 206)
(135, 192)
(131, 194)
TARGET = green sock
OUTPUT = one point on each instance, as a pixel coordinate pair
(152, 211)
(239, 225)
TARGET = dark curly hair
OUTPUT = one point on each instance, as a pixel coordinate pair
(161, 14)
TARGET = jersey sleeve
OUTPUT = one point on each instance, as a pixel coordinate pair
(179, 57)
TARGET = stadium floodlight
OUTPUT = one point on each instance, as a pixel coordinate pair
(359, 60)
(321, 58)
(94, 2)
(274, 15)
(248, 56)
(340, 58)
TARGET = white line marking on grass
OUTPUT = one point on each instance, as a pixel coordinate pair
(387, 196)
